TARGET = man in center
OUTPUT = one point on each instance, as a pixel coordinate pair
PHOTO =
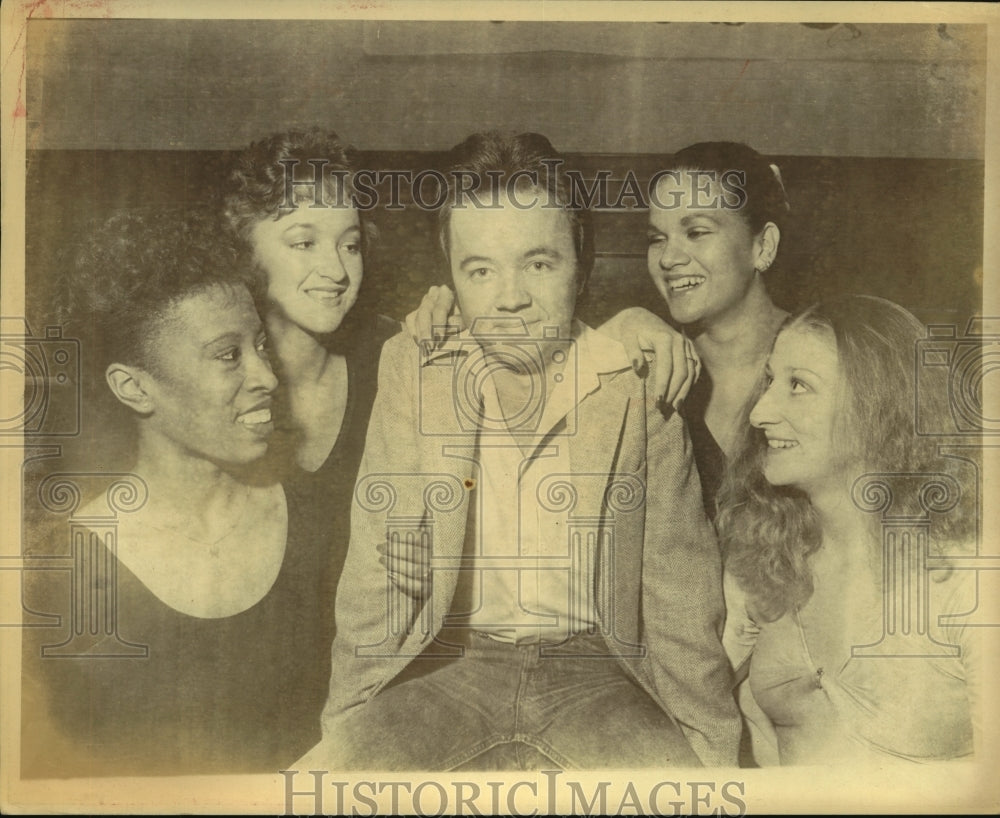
(531, 580)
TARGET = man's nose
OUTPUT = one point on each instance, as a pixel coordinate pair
(513, 294)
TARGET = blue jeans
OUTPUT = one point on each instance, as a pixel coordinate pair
(506, 706)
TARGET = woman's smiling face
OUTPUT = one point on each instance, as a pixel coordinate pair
(209, 381)
(311, 257)
(701, 252)
(800, 411)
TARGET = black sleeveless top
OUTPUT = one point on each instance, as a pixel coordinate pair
(174, 694)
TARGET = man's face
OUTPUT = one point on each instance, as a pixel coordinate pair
(514, 263)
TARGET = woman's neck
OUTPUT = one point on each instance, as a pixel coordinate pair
(302, 356)
(742, 337)
(187, 489)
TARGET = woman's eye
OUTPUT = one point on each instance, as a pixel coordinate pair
(479, 272)
(261, 346)
(353, 248)
(540, 266)
(305, 244)
(230, 355)
(697, 234)
(654, 239)
(798, 386)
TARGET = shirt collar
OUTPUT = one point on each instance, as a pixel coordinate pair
(593, 355)
(603, 354)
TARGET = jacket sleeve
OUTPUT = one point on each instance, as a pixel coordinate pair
(682, 599)
(373, 616)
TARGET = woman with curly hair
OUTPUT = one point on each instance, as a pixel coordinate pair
(215, 591)
(308, 243)
(809, 579)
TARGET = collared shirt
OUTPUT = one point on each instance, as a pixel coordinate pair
(529, 581)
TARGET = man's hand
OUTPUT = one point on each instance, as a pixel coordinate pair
(408, 566)
(676, 365)
(435, 319)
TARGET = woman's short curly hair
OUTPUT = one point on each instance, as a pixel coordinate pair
(132, 268)
(266, 178)
(261, 176)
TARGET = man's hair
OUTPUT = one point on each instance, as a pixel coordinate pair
(496, 160)
(768, 532)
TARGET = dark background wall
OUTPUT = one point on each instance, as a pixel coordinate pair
(878, 128)
(907, 229)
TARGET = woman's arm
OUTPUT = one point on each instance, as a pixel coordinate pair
(740, 634)
(675, 363)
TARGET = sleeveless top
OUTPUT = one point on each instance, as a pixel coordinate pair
(187, 695)
(878, 704)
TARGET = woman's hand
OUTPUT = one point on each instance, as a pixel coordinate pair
(408, 566)
(676, 365)
(437, 318)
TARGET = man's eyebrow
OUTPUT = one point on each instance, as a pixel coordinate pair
(542, 250)
(473, 260)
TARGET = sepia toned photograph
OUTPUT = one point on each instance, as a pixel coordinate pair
(503, 408)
